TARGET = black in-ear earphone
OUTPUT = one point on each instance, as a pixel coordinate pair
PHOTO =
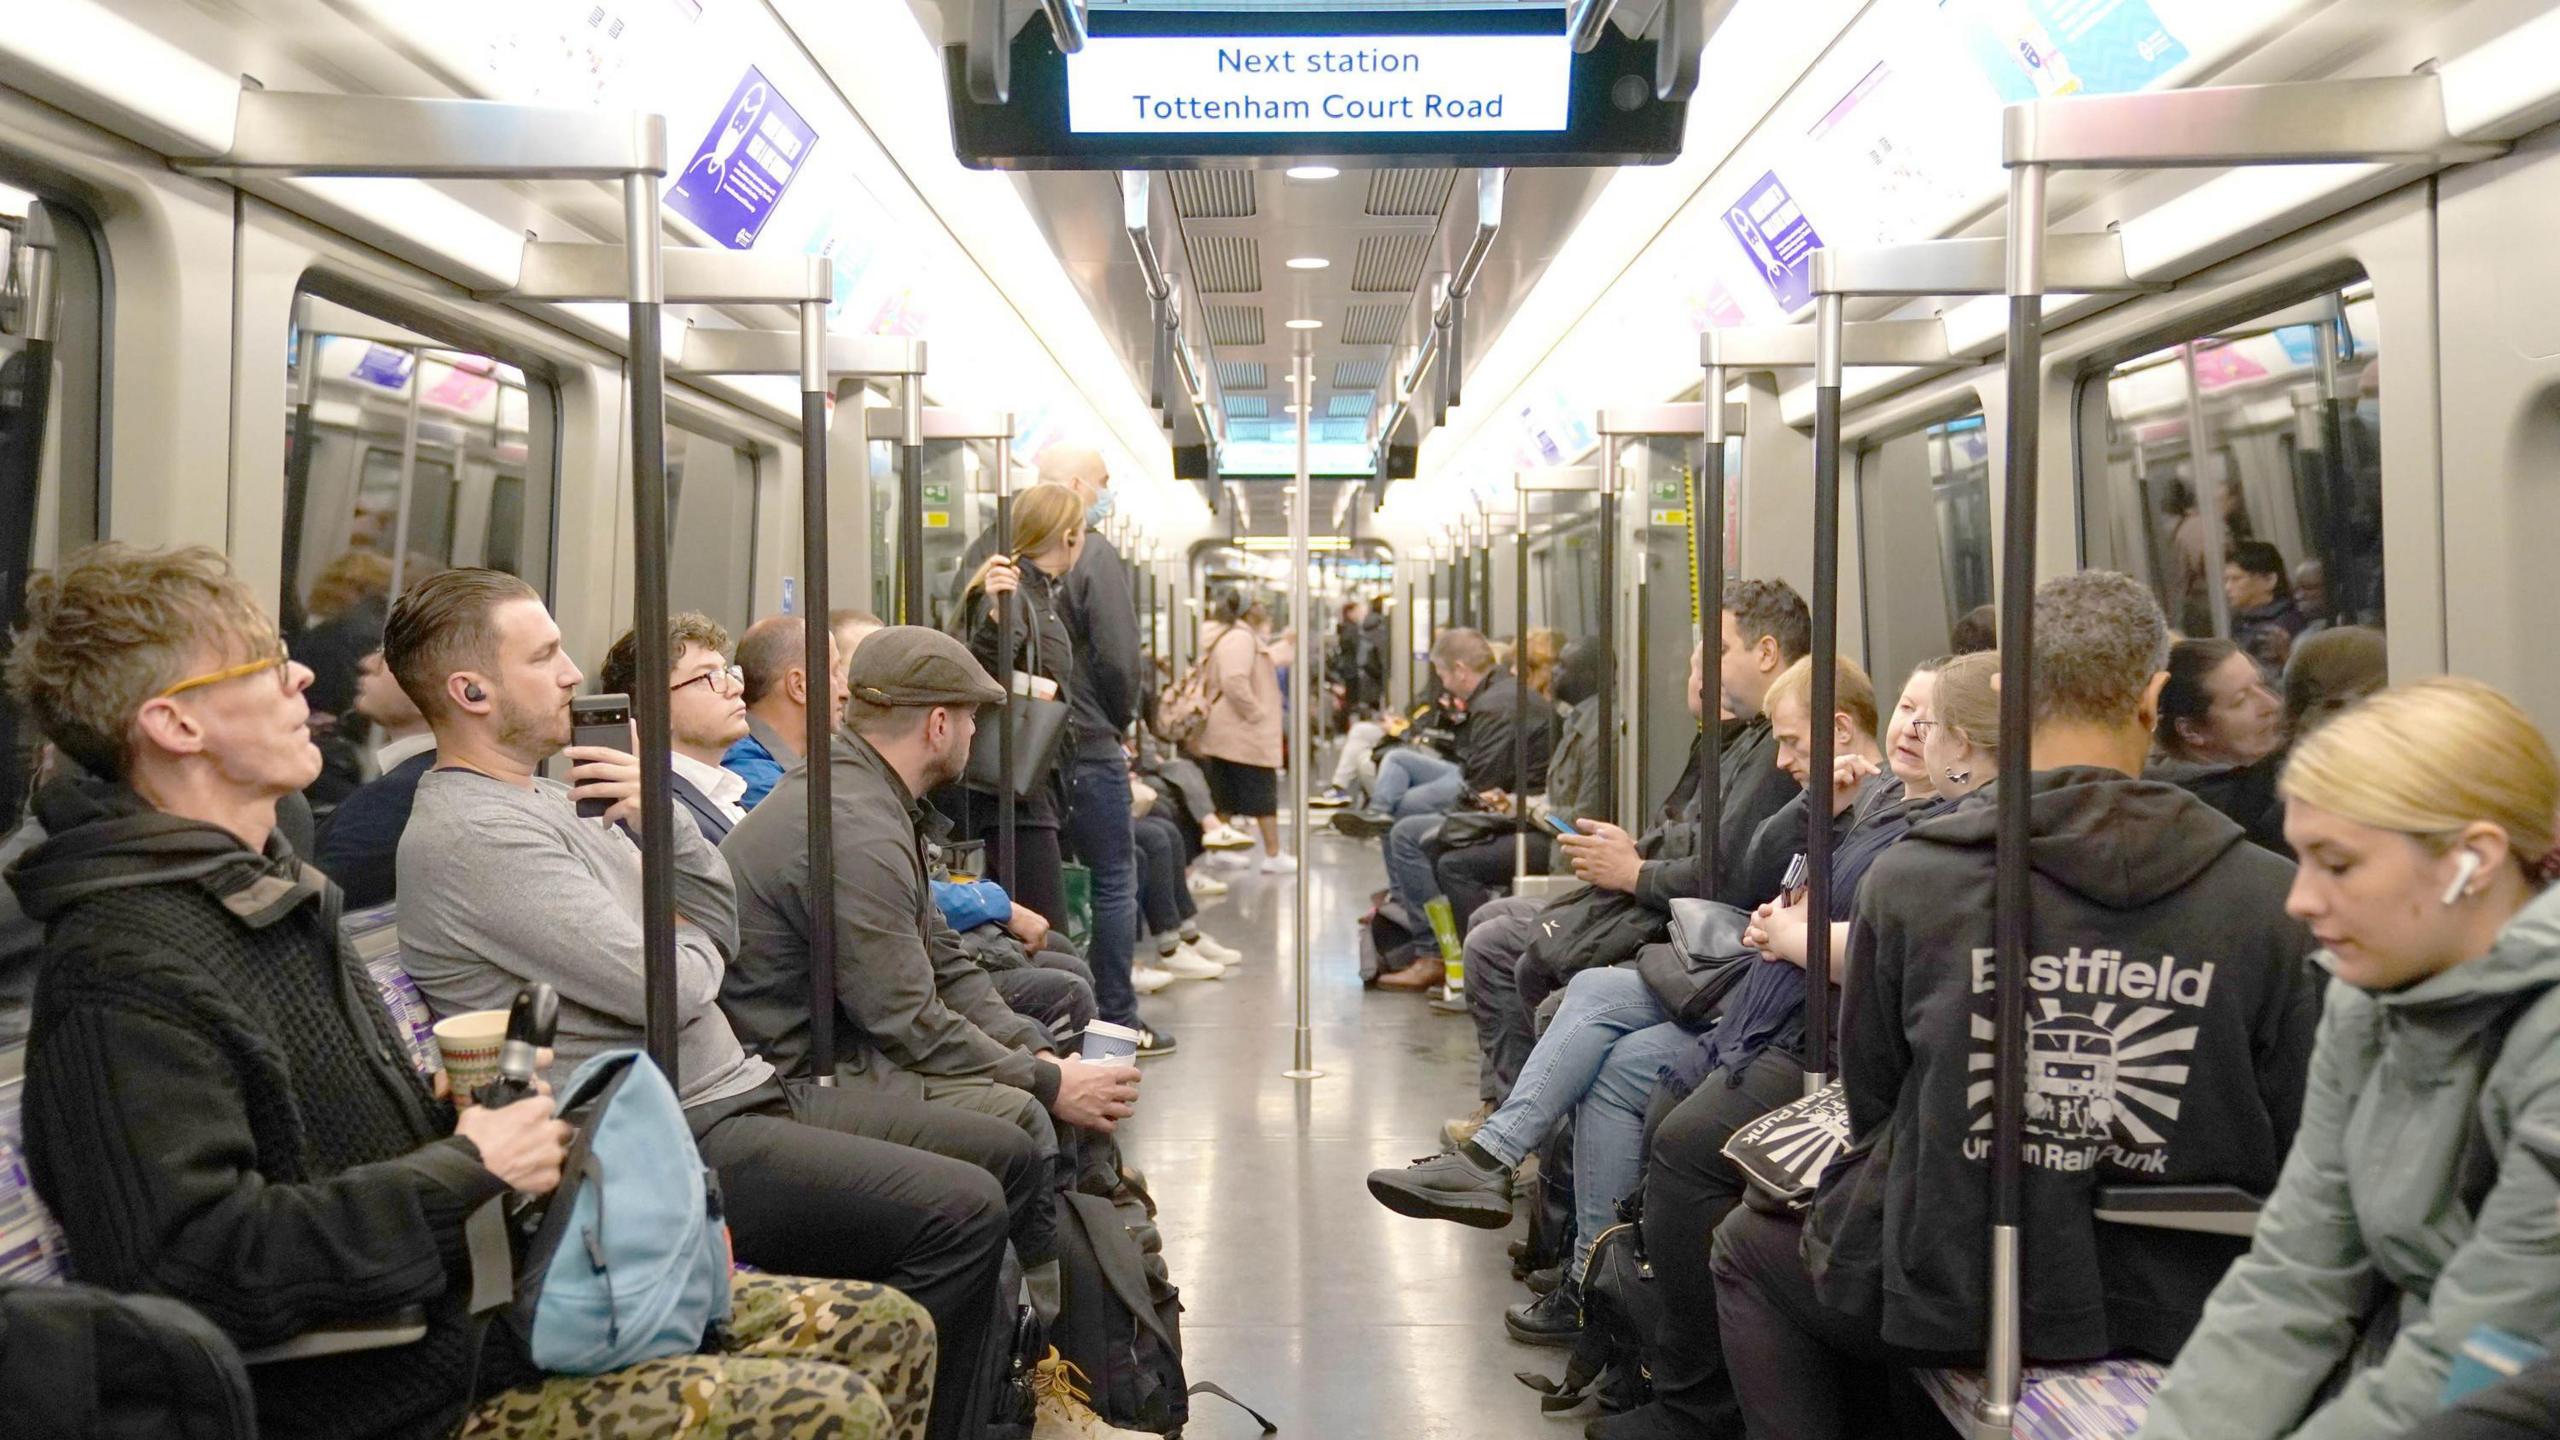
(472, 692)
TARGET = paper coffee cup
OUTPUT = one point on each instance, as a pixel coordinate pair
(469, 1043)
(1105, 1042)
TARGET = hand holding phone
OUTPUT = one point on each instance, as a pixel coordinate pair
(603, 722)
(1562, 826)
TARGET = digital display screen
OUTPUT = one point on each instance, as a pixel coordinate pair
(1336, 84)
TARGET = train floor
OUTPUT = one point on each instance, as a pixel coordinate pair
(1302, 1295)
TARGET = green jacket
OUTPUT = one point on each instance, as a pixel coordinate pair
(2374, 1203)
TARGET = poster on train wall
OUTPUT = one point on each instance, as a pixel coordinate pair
(2043, 49)
(756, 146)
(1773, 232)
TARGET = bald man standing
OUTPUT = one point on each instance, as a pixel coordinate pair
(1102, 622)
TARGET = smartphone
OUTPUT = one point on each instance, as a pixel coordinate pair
(599, 720)
(1562, 826)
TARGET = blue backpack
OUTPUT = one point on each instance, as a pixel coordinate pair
(630, 1261)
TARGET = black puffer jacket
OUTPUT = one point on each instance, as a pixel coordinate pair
(217, 1110)
(1487, 747)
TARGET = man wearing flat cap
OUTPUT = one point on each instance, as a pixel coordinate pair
(919, 1017)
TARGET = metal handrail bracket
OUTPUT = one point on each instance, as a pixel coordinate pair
(1792, 347)
(557, 271)
(1681, 419)
(2089, 264)
(2399, 118)
(704, 350)
(941, 423)
(289, 132)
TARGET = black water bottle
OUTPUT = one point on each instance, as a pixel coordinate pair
(531, 1022)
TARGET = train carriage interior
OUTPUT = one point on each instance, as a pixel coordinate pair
(1340, 539)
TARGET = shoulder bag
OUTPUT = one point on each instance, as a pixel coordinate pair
(1039, 728)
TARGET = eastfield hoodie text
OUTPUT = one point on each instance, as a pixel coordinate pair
(2171, 1012)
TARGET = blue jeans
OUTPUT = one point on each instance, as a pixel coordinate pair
(1411, 782)
(1098, 823)
(1599, 1059)
(1409, 873)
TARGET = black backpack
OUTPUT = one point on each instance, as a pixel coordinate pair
(1388, 940)
(1621, 1322)
(75, 1360)
(1119, 1317)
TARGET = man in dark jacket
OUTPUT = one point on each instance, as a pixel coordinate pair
(2171, 1024)
(360, 845)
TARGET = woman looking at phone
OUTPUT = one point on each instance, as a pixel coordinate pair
(2423, 818)
(1048, 538)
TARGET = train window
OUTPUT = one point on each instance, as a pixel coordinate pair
(711, 497)
(2243, 474)
(403, 456)
(52, 327)
(1934, 480)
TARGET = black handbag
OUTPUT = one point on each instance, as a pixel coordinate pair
(1039, 728)
(1703, 961)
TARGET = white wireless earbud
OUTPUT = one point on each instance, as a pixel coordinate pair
(2465, 870)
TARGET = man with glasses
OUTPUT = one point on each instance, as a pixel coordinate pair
(706, 714)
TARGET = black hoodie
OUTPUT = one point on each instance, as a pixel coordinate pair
(217, 1110)
(2172, 1006)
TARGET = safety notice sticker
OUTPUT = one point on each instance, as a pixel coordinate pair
(1772, 230)
(756, 145)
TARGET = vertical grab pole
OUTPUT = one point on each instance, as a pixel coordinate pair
(649, 699)
(1005, 611)
(1302, 375)
(1520, 682)
(2012, 928)
(818, 661)
(911, 502)
(1706, 535)
(1610, 678)
(1828, 315)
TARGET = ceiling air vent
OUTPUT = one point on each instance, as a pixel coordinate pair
(1236, 324)
(1364, 324)
(1214, 194)
(1391, 260)
(1407, 194)
(1354, 406)
(1225, 264)
(1360, 374)
(1243, 375)
(1248, 407)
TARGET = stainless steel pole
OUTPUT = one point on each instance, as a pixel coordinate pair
(408, 473)
(817, 656)
(1302, 386)
(649, 700)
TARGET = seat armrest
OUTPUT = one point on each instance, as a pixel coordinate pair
(1542, 887)
(2204, 1209)
(403, 1327)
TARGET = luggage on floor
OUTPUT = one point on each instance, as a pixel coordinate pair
(75, 1360)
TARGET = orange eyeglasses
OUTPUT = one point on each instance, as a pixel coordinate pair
(281, 662)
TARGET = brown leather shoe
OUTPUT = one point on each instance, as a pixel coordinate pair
(1421, 975)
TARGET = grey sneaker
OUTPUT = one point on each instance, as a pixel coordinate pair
(1450, 1186)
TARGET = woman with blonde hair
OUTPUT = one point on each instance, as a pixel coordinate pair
(2410, 1218)
(1048, 538)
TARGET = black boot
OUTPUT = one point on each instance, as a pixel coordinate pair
(1554, 1318)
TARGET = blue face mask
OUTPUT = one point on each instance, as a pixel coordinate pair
(1098, 511)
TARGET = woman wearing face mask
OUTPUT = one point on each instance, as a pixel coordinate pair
(2410, 1215)
(1048, 539)
(1749, 1065)
(2221, 736)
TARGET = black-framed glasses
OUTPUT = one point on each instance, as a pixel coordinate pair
(726, 681)
(1920, 727)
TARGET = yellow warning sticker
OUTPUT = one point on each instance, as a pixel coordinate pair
(937, 519)
(1670, 517)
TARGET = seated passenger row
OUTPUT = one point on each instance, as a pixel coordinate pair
(217, 1112)
(2177, 1030)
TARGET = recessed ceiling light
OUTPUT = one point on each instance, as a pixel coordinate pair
(1308, 262)
(1305, 324)
(1313, 172)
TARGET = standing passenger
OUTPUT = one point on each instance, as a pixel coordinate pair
(1241, 743)
(2424, 819)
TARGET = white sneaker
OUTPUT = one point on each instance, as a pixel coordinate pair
(1211, 949)
(1279, 864)
(1186, 963)
(1148, 979)
(1226, 837)
(1063, 1411)
(1206, 886)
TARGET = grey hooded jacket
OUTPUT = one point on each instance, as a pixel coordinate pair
(2386, 1200)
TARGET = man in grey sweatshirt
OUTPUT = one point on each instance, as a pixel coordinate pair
(502, 883)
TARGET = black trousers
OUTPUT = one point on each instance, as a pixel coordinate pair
(1803, 1371)
(1056, 996)
(1473, 875)
(1689, 1189)
(1038, 879)
(1163, 898)
(829, 1184)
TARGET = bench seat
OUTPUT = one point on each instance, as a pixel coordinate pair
(2097, 1400)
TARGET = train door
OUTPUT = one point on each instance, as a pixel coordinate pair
(1934, 481)
(1650, 458)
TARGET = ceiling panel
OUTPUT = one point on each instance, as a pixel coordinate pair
(1409, 193)
(1360, 374)
(1225, 264)
(1235, 325)
(1213, 194)
(1390, 260)
(1243, 374)
(1374, 324)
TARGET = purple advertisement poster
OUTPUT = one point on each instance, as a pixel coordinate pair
(739, 171)
(1771, 229)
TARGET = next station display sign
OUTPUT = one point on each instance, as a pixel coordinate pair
(1361, 84)
(1163, 89)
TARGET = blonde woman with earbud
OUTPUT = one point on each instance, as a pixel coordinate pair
(2410, 1217)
